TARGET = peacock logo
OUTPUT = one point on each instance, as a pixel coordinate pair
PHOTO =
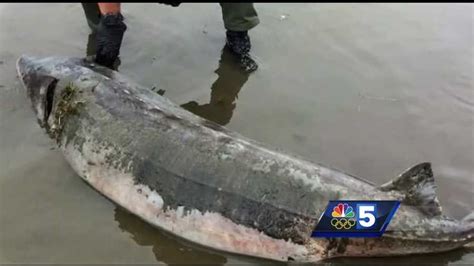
(343, 216)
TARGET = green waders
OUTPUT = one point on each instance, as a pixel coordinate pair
(239, 16)
(92, 14)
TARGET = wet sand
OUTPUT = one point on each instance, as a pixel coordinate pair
(368, 88)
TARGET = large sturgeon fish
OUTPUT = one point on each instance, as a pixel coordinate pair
(206, 184)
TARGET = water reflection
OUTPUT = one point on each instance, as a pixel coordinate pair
(224, 91)
(165, 248)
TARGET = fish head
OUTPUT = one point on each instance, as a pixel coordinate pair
(41, 76)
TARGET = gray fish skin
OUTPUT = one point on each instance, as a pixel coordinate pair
(202, 182)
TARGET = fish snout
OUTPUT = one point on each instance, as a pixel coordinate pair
(23, 67)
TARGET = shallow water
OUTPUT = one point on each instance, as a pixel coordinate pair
(368, 88)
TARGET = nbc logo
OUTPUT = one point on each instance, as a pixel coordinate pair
(355, 218)
(343, 216)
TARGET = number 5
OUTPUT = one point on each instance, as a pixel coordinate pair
(366, 212)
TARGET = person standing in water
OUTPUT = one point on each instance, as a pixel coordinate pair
(106, 20)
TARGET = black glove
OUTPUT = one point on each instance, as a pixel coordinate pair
(109, 39)
(171, 3)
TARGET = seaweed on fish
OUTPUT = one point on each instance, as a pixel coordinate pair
(67, 106)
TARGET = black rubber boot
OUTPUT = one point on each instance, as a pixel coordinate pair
(239, 44)
(109, 39)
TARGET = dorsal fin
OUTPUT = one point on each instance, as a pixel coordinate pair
(469, 218)
(418, 186)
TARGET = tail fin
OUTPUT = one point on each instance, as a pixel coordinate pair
(417, 183)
